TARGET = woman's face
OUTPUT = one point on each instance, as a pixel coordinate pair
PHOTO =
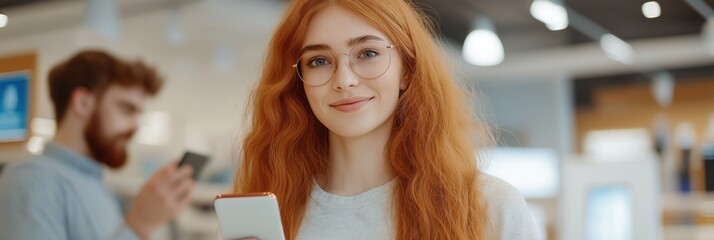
(350, 100)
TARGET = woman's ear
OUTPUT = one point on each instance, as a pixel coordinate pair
(402, 87)
(82, 103)
(403, 83)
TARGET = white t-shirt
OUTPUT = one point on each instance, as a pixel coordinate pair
(368, 215)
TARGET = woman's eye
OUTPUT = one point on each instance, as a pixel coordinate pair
(368, 54)
(318, 62)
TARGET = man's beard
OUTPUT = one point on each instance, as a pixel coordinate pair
(106, 149)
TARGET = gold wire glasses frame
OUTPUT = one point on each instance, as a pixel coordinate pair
(368, 60)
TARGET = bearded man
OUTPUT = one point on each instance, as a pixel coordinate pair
(97, 99)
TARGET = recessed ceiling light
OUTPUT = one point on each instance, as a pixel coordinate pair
(651, 9)
(617, 49)
(3, 20)
(553, 14)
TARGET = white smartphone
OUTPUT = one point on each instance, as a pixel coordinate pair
(249, 215)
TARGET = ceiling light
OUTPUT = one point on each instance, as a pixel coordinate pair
(3, 20)
(482, 46)
(553, 14)
(617, 49)
(651, 9)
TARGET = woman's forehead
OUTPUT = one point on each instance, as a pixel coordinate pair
(336, 27)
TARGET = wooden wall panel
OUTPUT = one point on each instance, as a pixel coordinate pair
(13, 63)
(634, 107)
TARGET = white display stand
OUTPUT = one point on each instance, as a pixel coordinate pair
(642, 201)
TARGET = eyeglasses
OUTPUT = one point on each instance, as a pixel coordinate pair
(369, 60)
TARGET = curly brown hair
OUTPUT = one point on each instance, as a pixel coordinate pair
(96, 70)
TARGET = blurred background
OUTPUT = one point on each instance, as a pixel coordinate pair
(604, 109)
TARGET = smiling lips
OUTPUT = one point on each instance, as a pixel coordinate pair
(351, 104)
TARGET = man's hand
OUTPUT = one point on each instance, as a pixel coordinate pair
(161, 198)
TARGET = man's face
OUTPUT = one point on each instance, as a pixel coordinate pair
(113, 123)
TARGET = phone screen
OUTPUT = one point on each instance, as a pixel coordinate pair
(196, 161)
(251, 215)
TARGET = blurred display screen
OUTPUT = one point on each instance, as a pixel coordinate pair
(533, 171)
(14, 106)
(609, 213)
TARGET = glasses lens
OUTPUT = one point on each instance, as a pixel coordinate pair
(316, 68)
(370, 60)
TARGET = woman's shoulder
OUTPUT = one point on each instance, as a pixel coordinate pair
(495, 189)
(508, 211)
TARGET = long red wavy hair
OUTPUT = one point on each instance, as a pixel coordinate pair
(430, 150)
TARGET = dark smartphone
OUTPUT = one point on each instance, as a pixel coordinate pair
(196, 161)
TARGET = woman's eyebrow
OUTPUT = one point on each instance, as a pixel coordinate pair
(351, 42)
(314, 47)
(362, 39)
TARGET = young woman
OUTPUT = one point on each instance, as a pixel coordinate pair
(361, 132)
